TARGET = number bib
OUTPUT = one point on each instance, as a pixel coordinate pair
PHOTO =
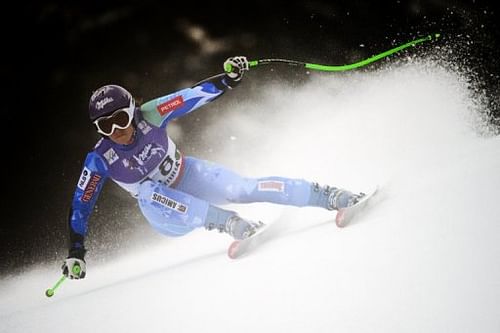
(169, 169)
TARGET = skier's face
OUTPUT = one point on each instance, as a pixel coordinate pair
(119, 119)
(123, 136)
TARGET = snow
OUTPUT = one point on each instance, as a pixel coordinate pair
(424, 258)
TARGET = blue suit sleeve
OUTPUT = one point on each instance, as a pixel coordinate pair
(166, 108)
(87, 190)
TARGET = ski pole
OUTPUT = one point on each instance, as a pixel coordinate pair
(50, 292)
(341, 68)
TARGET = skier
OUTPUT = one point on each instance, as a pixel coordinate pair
(176, 193)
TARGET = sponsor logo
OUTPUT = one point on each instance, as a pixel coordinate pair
(170, 105)
(144, 127)
(169, 203)
(84, 179)
(111, 156)
(96, 93)
(103, 102)
(147, 152)
(91, 188)
(139, 162)
(271, 186)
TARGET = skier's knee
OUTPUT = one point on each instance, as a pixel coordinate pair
(165, 220)
(166, 211)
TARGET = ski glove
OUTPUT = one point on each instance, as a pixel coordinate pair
(235, 66)
(74, 265)
(74, 268)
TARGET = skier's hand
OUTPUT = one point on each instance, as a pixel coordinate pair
(74, 268)
(235, 66)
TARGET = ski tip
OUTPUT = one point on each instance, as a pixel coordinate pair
(344, 215)
(232, 251)
(372, 190)
(339, 219)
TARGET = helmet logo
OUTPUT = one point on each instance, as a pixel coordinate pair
(102, 103)
(108, 99)
(98, 92)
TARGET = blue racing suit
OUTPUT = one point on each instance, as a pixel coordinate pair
(176, 193)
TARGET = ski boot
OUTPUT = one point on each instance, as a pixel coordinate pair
(332, 198)
(247, 236)
(355, 204)
(339, 198)
(230, 223)
(346, 203)
(240, 229)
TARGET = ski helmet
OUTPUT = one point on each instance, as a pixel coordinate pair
(108, 99)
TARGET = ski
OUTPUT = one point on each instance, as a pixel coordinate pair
(240, 247)
(345, 215)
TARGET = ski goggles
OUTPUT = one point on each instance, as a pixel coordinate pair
(121, 118)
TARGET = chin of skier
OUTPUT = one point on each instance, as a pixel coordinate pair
(176, 193)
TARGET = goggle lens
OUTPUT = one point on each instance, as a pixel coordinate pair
(119, 119)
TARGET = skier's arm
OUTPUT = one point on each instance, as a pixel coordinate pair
(161, 110)
(89, 186)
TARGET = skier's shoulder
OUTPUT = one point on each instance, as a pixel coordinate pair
(103, 154)
(98, 144)
(100, 147)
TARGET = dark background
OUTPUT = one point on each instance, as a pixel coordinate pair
(56, 53)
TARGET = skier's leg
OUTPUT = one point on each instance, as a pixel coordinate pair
(220, 185)
(169, 211)
(176, 213)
